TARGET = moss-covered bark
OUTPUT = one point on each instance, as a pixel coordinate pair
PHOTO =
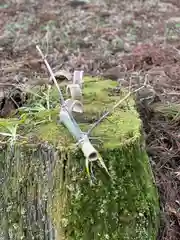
(45, 184)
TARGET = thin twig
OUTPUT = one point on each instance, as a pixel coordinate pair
(17, 105)
(115, 106)
(62, 101)
(51, 73)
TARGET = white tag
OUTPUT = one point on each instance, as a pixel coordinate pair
(78, 77)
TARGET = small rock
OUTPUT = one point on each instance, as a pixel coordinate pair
(78, 3)
(104, 14)
(117, 44)
(62, 76)
(7, 108)
(114, 73)
(84, 44)
(127, 47)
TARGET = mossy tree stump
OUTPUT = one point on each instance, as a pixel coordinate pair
(46, 193)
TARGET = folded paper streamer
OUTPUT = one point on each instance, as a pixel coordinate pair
(75, 105)
(75, 88)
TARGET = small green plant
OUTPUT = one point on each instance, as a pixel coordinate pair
(39, 107)
(3, 6)
(172, 29)
(12, 133)
(48, 99)
(49, 27)
(10, 128)
(171, 111)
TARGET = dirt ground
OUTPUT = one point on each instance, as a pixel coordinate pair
(122, 40)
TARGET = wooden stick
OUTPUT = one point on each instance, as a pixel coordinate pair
(52, 74)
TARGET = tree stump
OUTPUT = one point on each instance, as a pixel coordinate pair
(45, 190)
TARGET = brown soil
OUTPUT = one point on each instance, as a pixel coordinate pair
(122, 40)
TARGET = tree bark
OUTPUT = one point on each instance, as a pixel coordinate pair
(46, 190)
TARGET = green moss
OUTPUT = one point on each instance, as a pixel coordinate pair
(50, 132)
(124, 207)
(98, 97)
(121, 207)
